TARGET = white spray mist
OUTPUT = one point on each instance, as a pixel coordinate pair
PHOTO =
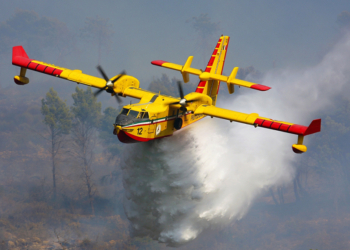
(211, 172)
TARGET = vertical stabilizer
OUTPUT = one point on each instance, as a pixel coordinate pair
(215, 66)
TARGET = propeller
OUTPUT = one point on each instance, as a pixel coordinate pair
(183, 102)
(109, 84)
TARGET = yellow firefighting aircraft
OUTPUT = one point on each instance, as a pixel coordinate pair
(157, 116)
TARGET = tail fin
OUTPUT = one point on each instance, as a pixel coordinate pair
(215, 66)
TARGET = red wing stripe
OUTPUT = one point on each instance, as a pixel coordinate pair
(259, 121)
(266, 124)
(198, 90)
(275, 125)
(284, 127)
(49, 70)
(293, 129)
(297, 129)
(32, 65)
(40, 68)
(58, 72)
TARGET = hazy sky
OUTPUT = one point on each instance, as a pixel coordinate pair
(291, 33)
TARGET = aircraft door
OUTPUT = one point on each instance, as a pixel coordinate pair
(152, 126)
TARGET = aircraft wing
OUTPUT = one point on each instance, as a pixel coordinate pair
(126, 86)
(256, 120)
(21, 59)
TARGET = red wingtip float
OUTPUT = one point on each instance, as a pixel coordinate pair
(157, 116)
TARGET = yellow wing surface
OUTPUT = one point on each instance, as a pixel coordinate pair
(256, 120)
(126, 86)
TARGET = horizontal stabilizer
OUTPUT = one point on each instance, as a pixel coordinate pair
(205, 76)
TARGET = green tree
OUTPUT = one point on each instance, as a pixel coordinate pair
(110, 141)
(98, 31)
(57, 117)
(87, 115)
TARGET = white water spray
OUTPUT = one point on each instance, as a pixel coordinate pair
(210, 173)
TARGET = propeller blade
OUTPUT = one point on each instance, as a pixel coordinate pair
(99, 68)
(119, 100)
(97, 92)
(180, 90)
(120, 76)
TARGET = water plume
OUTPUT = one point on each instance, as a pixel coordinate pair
(210, 173)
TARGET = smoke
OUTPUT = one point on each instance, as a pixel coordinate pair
(210, 173)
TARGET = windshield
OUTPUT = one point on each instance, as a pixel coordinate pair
(124, 111)
(133, 113)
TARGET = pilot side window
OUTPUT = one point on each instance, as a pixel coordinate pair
(124, 111)
(133, 113)
(143, 115)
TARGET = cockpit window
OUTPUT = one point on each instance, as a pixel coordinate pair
(145, 115)
(124, 111)
(133, 113)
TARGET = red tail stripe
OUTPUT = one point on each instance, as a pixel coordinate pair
(198, 90)
(202, 84)
(211, 61)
